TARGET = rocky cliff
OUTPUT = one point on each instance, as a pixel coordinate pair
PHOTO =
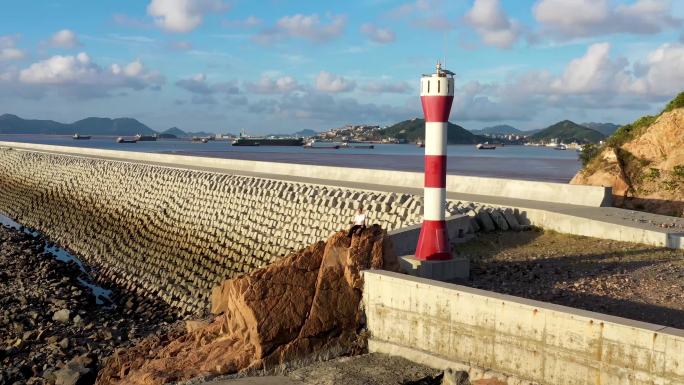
(644, 163)
(302, 305)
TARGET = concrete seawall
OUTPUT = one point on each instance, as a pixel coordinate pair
(538, 191)
(489, 334)
(174, 233)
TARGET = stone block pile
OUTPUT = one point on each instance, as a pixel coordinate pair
(174, 233)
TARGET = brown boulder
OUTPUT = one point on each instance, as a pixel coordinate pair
(305, 304)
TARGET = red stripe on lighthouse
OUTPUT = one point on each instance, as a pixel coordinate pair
(435, 171)
(436, 108)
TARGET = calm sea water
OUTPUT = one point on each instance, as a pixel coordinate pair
(518, 162)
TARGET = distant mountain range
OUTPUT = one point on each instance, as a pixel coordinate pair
(178, 133)
(606, 129)
(569, 131)
(12, 124)
(414, 129)
(502, 129)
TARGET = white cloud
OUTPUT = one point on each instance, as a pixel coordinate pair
(663, 71)
(567, 19)
(183, 15)
(594, 72)
(492, 24)
(392, 87)
(328, 82)
(269, 85)
(377, 34)
(8, 49)
(307, 27)
(65, 38)
(79, 76)
(204, 91)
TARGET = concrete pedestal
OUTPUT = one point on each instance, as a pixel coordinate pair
(456, 268)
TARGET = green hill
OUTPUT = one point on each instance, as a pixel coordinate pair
(175, 131)
(606, 129)
(502, 129)
(414, 130)
(567, 132)
(12, 124)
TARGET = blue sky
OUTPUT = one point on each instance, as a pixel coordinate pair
(281, 66)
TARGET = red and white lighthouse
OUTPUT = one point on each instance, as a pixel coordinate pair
(436, 95)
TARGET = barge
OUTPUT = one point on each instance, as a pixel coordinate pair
(243, 141)
(81, 137)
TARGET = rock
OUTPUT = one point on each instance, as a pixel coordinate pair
(64, 343)
(78, 321)
(61, 315)
(67, 376)
(192, 325)
(303, 304)
(455, 377)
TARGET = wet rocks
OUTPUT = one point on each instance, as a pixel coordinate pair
(50, 323)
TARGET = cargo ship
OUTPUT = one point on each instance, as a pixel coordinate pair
(146, 138)
(124, 140)
(81, 137)
(245, 141)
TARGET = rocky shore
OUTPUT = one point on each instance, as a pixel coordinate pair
(52, 329)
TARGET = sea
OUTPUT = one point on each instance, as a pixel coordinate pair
(511, 161)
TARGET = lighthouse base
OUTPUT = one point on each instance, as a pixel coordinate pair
(444, 270)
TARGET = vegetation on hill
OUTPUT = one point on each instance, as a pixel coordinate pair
(501, 129)
(568, 131)
(413, 130)
(643, 161)
(175, 131)
(12, 124)
(604, 128)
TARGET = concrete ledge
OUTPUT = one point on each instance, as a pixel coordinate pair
(456, 268)
(404, 240)
(539, 191)
(530, 340)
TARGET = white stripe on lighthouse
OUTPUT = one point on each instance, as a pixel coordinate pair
(435, 203)
(435, 138)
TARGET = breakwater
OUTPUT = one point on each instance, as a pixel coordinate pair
(173, 233)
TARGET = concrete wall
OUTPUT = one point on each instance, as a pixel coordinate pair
(515, 340)
(174, 233)
(542, 191)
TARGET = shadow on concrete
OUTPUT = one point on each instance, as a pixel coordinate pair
(655, 206)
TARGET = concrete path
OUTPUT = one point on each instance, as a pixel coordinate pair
(601, 222)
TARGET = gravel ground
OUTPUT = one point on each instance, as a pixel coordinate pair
(51, 327)
(629, 280)
(366, 369)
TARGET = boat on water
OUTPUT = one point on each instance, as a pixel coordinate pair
(81, 137)
(146, 138)
(124, 140)
(200, 139)
(255, 141)
(560, 147)
(420, 144)
(359, 146)
(311, 145)
(485, 146)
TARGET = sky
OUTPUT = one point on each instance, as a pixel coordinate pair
(279, 66)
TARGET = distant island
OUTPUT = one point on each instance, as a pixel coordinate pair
(502, 129)
(567, 131)
(407, 131)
